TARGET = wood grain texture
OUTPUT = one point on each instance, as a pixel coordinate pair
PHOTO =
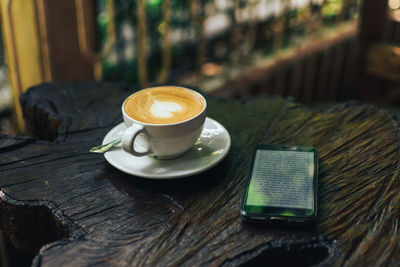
(57, 193)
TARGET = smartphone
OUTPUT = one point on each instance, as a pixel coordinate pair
(282, 184)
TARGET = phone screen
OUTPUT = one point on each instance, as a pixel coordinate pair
(282, 183)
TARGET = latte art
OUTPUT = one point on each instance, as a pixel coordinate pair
(164, 105)
(164, 109)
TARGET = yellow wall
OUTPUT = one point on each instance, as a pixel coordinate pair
(22, 48)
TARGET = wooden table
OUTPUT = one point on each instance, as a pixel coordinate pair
(54, 192)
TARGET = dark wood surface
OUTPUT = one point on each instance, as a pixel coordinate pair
(72, 208)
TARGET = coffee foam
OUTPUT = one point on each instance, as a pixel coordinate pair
(163, 105)
(164, 109)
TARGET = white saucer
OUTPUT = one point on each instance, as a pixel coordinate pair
(211, 147)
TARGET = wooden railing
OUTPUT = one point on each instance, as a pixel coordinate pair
(316, 72)
(305, 50)
(311, 50)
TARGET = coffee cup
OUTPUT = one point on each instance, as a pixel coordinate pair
(163, 121)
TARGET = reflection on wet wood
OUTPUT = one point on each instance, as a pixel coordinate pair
(59, 191)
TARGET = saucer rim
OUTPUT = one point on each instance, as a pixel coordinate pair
(167, 176)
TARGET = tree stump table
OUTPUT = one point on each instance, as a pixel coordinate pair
(72, 208)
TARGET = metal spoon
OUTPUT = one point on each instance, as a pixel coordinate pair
(105, 147)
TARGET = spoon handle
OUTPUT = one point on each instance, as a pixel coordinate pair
(105, 147)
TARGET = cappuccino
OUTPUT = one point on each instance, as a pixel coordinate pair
(164, 105)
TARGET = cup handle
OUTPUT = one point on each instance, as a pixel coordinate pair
(128, 140)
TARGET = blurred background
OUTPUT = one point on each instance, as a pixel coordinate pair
(317, 51)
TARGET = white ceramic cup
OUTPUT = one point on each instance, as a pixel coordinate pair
(165, 141)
